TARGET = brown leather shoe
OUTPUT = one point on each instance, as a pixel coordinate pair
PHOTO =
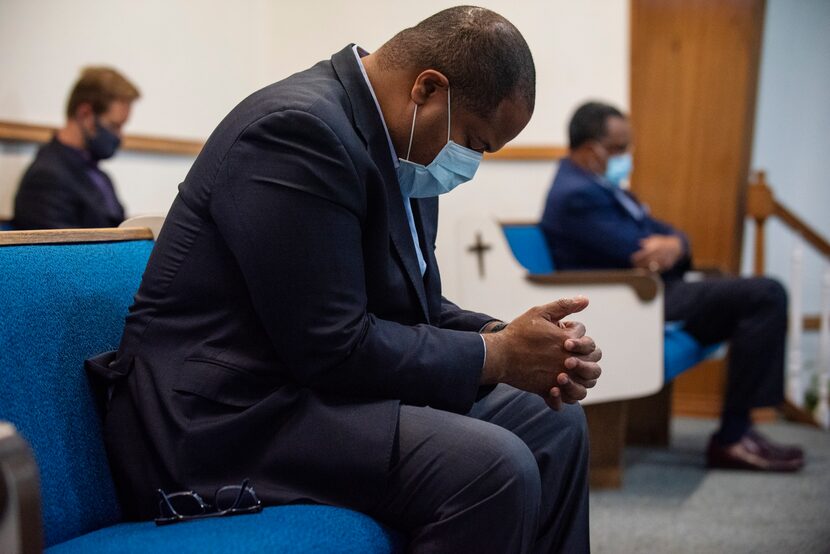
(748, 454)
(775, 450)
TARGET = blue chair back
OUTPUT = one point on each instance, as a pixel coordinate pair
(529, 246)
(60, 304)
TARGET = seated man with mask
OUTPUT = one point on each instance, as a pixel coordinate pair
(591, 222)
(290, 328)
(64, 187)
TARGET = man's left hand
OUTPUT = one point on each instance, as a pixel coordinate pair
(582, 369)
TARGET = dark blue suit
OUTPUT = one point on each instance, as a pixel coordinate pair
(283, 321)
(591, 225)
(58, 192)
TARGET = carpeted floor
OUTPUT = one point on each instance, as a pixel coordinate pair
(670, 503)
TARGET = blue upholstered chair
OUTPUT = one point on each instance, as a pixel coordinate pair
(680, 350)
(63, 298)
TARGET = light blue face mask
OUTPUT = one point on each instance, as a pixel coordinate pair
(453, 165)
(619, 168)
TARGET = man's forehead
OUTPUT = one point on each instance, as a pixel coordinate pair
(506, 121)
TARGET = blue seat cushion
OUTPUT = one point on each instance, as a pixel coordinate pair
(682, 351)
(291, 529)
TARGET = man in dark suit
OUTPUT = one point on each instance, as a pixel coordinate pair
(290, 326)
(64, 187)
(592, 222)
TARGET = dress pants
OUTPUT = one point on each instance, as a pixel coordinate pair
(751, 313)
(511, 476)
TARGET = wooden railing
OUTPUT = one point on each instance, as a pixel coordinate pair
(761, 205)
(25, 132)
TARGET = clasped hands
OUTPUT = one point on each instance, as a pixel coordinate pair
(658, 252)
(540, 353)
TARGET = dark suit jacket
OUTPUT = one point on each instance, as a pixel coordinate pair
(282, 317)
(57, 193)
(587, 226)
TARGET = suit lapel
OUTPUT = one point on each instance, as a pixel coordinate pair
(370, 126)
(629, 203)
(626, 201)
(425, 211)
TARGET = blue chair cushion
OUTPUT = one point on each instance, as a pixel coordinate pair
(529, 247)
(682, 351)
(291, 529)
(60, 304)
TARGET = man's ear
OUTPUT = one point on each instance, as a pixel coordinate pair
(83, 112)
(428, 83)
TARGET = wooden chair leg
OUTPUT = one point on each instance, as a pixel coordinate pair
(606, 428)
(649, 419)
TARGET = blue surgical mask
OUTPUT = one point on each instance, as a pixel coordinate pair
(619, 168)
(104, 144)
(453, 165)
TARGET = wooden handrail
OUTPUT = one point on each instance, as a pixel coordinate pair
(762, 205)
(645, 284)
(528, 153)
(61, 236)
(808, 233)
(25, 132)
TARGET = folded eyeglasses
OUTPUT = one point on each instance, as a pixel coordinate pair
(227, 501)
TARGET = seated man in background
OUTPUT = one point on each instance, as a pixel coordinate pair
(290, 328)
(591, 222)
(64, 187)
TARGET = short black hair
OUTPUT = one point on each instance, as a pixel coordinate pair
(590, 122)
(483, 55)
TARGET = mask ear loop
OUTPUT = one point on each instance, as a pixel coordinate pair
(412, 132)
(449, 115)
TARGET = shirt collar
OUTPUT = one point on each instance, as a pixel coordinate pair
(358, 53)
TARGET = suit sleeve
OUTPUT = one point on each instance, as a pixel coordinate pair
(289, 203)
(453, 317)
(42, 203)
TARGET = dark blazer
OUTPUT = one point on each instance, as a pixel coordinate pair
(282, 317)
(57, 193)
(588, 225)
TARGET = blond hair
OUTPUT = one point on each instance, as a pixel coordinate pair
(99, 86)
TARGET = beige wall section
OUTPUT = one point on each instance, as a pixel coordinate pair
(195, 60)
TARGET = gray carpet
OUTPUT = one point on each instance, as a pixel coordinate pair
(670, 503)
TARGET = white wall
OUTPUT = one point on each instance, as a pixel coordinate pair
(194, 60)
(792, 129)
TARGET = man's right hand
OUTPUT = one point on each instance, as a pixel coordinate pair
(540, 353)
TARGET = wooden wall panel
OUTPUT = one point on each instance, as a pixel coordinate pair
(694, 74)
